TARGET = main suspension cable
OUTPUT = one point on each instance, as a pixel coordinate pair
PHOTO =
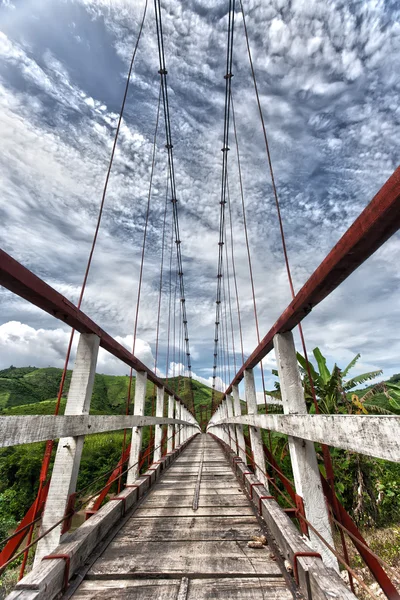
(224, 176)
(174, 200)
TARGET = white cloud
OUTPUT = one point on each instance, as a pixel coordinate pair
(329, 95)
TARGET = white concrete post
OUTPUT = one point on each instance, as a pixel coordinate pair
(306, 473)
(158, 428)
(183, 417)
(255, 433)
(237, 411)
(229, 407)
(136, 443)
(225, 428)
(69, 450)
(170, 440)
(177, 426)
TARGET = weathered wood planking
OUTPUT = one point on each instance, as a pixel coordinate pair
(373, 435)
(185, 558)
(28, 429)
(249, 588)
(189, 528)
(166, 538)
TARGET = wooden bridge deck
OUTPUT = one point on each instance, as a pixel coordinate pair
(167, 549)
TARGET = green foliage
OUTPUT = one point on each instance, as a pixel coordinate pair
(393, 395)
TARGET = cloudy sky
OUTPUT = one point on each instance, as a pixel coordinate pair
(328, 74)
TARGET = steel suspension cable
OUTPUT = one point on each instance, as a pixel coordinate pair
(153, 162)
(246, 234)
(224, 174)
(174, 200)
(234, 270)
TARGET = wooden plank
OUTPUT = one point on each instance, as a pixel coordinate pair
(248, 588)
(26, 429)
(210, 511)
(373, 435)
(376, 224)
(142, 589)
(179, 501)
(189, 528)
(185, 559)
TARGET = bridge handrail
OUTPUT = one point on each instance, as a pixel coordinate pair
(25, 284)
(373, 435)
(375, 225)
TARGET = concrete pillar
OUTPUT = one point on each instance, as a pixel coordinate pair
(237, 411)
(69, 450)
(136, 443)
(224, 415)
(229, 407)
(177, 426)
(158, 428)
(255, 432)
(302, 452)
(170, 433)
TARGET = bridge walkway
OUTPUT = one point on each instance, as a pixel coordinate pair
(170, 549)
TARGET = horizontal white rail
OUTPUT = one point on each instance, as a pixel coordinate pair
(15, 430)
(377, 436)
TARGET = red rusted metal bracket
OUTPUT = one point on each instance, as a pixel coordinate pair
(300, 510)
(247, 473)
(263, 498)
(297, 555)
(69, 513)
(67, 559)
(22, 530)
(252, 485)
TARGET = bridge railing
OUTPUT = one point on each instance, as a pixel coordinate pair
(377, 436)
(76, 423)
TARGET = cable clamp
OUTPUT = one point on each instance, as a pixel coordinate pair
(247, 473)
(263, 498)
(252, 485)
(225, 149)
(67, 559)
(228, 76)
(169, 146)
(163, 71)
(296, 555)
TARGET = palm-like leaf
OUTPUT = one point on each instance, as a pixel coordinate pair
(321, 362)
(350, 365)
(348, 385)
(314, 374)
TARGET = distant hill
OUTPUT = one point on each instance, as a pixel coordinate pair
(29, 390)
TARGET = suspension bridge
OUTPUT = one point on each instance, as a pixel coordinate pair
(204, 510)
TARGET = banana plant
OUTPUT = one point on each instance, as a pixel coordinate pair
(333, 389)
(393, 395)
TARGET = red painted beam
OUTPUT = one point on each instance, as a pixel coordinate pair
(22, 531)
(21, 281)
(375, 225)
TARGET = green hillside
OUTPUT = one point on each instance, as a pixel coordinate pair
(28, 390)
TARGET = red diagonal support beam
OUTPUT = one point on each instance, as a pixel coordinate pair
(375, 225)
(22, 531)
(22, 282)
